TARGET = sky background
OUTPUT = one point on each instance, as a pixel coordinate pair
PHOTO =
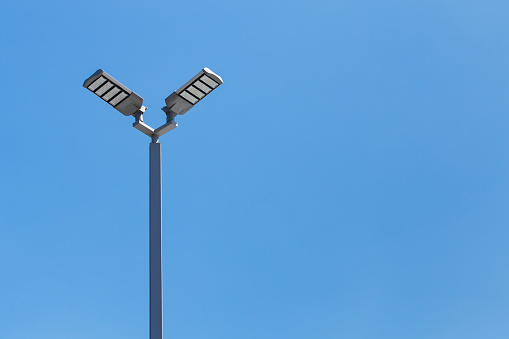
(350, 178)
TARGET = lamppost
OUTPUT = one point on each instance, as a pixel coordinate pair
(129, 103)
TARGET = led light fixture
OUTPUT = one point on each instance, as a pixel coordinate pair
(114, 93)
(183, 99)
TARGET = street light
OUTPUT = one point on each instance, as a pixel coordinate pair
(129, 103)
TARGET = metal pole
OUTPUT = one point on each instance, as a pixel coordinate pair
(156, 276)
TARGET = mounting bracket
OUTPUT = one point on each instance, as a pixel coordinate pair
(149, 131)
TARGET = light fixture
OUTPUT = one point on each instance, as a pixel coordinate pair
(114, 93)
(183, 99)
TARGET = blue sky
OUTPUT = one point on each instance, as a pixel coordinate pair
(348, 180)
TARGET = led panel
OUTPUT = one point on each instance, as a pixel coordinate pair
(100, 81)
(189, 97)
(209, 82)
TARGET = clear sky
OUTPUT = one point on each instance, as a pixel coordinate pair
(350, 178)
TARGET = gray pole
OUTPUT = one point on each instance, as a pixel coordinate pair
(156, 277)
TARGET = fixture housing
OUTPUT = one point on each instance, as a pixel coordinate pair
(183, 99)
(114, 93)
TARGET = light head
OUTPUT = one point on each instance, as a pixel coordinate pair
(114, 93)
(183, 99)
